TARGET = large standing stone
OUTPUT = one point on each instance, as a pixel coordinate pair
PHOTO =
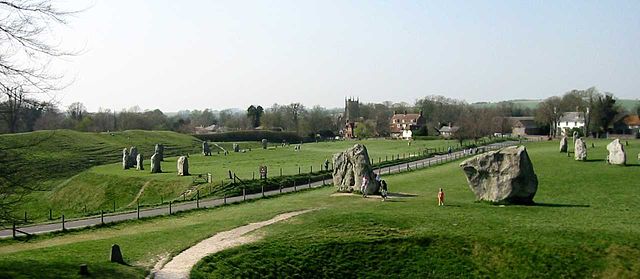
(155, 163)
(139, 163)
(125, 159)
(236, 147)
(116, 254)
(616, 153)
(350, 166)
(206, 150)
(575, 136)
(133, 156)
(183, 166)
(160, 151)
(502, 176)
(563, 144)
(264, 143)
(580, 150)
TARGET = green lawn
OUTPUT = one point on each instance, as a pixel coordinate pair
(585, 224)
(97, 188)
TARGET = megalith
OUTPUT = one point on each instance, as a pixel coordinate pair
(264, 143)
(616, 153)
(183, 166)
(502, 176)
(159, 149)
(125, 159)
(139, 163)
(155, 163)
(206, 150)
(236, 147)
(580, 150)
(116, 254)
(133, 156)
(563, 144)
(349, 168)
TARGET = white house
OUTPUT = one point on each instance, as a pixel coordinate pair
(570, 120)
(407, 134)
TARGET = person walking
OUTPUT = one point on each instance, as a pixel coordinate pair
(441, 197)
(383, 190)
(363, 187)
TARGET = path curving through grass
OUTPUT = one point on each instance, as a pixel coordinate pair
(180, 265)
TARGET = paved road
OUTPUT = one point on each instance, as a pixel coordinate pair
(208, 203)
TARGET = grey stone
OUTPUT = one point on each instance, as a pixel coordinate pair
(133, 156)
(139, 163)
(264, 143)
(563, 144)
(236, 147)
(616, 155)
(502, 176)
(183, 166)
(206, 150)
(125, 159)
(155, 163)
(159, 149)
(116, 254)
(350, 166)
(580, 150)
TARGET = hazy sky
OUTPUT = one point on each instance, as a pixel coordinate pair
(176, 55)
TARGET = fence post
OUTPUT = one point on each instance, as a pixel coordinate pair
(197, 198)
(280, 171)
(244, 194)
(101, 217)
(323, 180)
(13, 230)
(138, 210)
(389, 172)
(63, 222)
(225, 199)
(298, 169)
(170, 207)
(310, 169)
(25, 216)
(280, 188)
(294, 185)
(309, 182)
(253, 175)
(262, 186)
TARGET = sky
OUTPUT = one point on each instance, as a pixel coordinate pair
(179, 55)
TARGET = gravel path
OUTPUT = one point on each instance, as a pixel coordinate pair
(180, 266)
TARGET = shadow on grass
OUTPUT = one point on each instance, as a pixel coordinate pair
(559, 205)
(594, 160)
(402, 195)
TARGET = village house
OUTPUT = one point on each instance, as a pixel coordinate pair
(524, 126)
(404, 125)
(570, 120)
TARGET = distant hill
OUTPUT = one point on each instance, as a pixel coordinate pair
(627, 104)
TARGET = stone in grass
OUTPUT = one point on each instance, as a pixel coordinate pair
(206, 150)
(580, 150)
(264, 143)
(502, 176)
(139, 163)
(183, 166)
(84, 270)
(236, 147)
(159, 149)
(563, 144)
(155, 163)
(125, 159)
(116, 254)
(616, 153)
(350, 166)
(133, 156)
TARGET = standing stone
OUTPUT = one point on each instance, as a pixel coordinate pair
(575, 136)
(236, 147)
(350, 166)
(264, 143)
(580, 150)
(139, 165)
(183, 166)
(133, 156)
(125, 159)
(155, 163)
(206, 150)
(160, 151)
(503, 176)
(616, 153)
(563, 145)
(116, 254)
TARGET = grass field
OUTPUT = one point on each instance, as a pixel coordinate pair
(75, 185)
(585, 224)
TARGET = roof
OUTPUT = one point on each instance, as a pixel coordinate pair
(631, 120)
(449, 129)
(408, 116)
(572, 116)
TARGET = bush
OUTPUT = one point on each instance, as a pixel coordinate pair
(258, 135)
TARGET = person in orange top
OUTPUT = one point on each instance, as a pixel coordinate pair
(441, 197)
